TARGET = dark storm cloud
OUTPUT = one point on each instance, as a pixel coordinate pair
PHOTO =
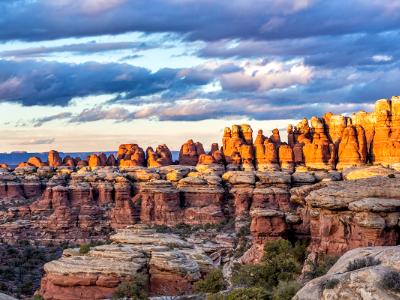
(82, 48)
(51, 83)
(203, 20)
(325, 51)
(287, 58)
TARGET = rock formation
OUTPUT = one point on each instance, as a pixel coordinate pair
(161, 157)
(362, 283)
(343, 216)
(190, 153)
(130, 155)
(54, 159)
(170, 263)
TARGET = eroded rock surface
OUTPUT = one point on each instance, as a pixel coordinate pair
(363, 283)
(170, 264)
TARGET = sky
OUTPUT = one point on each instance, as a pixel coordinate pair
(89, 75)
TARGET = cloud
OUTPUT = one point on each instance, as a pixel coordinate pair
(243, 19)
(98, 113)
(43, 141)
(51, 83)
(357, 49)
(382, 58)
(40, 121)
(265, 76)
(81, 48)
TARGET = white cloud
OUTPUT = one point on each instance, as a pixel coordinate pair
(266, 76)
(382, 58)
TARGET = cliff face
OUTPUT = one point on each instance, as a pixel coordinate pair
(61, 204)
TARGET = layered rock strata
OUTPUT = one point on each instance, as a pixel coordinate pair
(170, 264)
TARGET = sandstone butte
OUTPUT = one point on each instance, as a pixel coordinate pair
(336, 182)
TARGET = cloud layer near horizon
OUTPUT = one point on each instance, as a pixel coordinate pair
(260, 59)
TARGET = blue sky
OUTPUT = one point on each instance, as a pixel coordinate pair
(88, 75)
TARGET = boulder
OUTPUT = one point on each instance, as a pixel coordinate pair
(363, 283)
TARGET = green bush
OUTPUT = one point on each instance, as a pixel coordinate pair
(244, 231)
(281, 262)
(37, 297)
(362, 263)
(134, 289)
(252, 293)
(248, 275)
(322, 265)
(285, 290)
(213, 282)
(26, 288)
(391, 281)
(330, 283)
(84, 248)
(3, 287)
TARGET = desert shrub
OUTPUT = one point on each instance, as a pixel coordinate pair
(252, 293)
(134, 289)
(3, 287)
(244, 231)
(84, 248)
(281, 262)
(322, 265)
(299, 250)
(392, 176)
(37, 297)
(213, 282)
(26, 288)
(391, 281)
(330, 283)
(162, 229)
(248, 275)
(362, 263)
(285, 290)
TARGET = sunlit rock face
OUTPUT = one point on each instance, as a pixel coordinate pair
(190, 153)
(130, 155)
